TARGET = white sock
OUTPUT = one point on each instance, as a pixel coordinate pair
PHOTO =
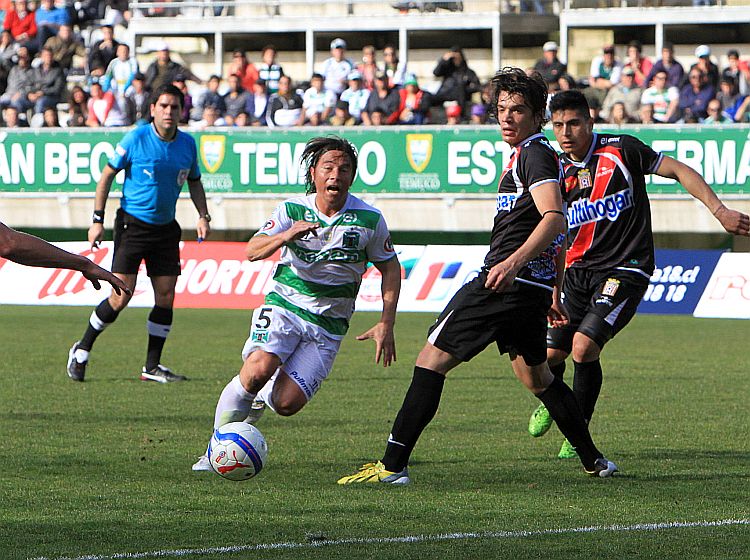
(234, 403)
(267, 391)
(81, 356)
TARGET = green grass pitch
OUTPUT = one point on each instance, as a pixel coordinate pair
(102, 469)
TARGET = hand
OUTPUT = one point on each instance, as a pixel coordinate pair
(96, 234)
(203, 229)
(299, 230)
(94, 273)
(558, 315)
(385, 342)
(500, 277)
(733, 221)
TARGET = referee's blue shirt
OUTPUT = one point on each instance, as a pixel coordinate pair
(155, 172)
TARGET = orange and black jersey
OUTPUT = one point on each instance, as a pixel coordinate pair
(533, 162)
(609, 217)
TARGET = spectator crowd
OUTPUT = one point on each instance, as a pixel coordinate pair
(45, 66)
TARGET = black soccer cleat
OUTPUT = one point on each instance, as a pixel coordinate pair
(76, 369)
(161, 374)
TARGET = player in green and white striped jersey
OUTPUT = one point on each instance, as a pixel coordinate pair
(326, 240)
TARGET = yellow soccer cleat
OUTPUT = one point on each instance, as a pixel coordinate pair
(375, 472)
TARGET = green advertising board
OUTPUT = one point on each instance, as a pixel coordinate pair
(392, 160)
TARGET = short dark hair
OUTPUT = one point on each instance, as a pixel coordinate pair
(569, 100)
(316, 147)
(532, 88)
(168, 89)
(636, 44)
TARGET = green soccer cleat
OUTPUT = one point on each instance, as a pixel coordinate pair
(375, 472)
(567, 451)
(540, 421)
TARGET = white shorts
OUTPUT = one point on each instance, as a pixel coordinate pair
(306, 350)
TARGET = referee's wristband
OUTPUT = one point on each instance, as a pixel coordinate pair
(98, 217)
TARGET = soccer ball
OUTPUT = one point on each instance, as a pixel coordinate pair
(237, 451)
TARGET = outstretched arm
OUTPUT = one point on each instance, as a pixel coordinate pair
(33, 251)
(382, 333)
(731, 220)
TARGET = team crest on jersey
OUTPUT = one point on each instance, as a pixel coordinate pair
(610, 287)
(348, 218)
(213, 148)
(182, 176)
(350, 240)
(584, 178)
(260, 336)
(419, 150)
(388, 245)
(310, 216)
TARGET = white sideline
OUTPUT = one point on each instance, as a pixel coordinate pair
(407, 539)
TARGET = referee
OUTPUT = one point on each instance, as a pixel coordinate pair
(157, 160)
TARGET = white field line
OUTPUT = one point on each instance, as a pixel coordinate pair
(407, 539)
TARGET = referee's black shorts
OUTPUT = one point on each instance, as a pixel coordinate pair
(600, 304)
(516, 320)
(136, 241)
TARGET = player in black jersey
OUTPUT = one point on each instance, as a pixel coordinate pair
(610, 255)
(513, 297)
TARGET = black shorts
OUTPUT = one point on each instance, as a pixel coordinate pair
(600, 304)
(475, 317)
(136, 241)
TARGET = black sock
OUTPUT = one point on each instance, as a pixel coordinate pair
(100, 319)
(419, 408)
(563, 407)
(587, 382)
(558, 370)
(159, 324)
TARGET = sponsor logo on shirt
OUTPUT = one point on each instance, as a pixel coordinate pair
(506, 201)
(609, 207)
(270, 224)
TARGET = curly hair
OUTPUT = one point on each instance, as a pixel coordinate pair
(531, 87)
(314, 150)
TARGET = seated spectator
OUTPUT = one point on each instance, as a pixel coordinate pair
(49, 83)
(392, 67)
(237, 100)
(728, 94)
(704, 64)
(566, 82)
(317, 103)
(242, 120)
(453, 114)
(640, 64)
(243, 68)
(737, 70)
(646, 114)
(102, 109)
(664, 100)
(626, 92)
(742, 115)
(209, 97)
(341, 115)
(120, 73)
(377, 117)
(459, 81)
(716, 114)
(675, 71)
(284, 106)
(11, 118)
(187, 103)
(211, 118)
(478, 114)
(163, 70)
(414, 103)
(78, 110)
(595, 110)
(356, 96)
(65, 47)
(7, 54)
(21, 82)
(368, 67)
(260, 102)
(51, 118)
(336, 68)
(139, 100)
(21, 23)
(102, 52)
(619, 116)
(269, 70)
(604, 73)
(549, 66)
(383, 100)
(695, 95)
(48, 20)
